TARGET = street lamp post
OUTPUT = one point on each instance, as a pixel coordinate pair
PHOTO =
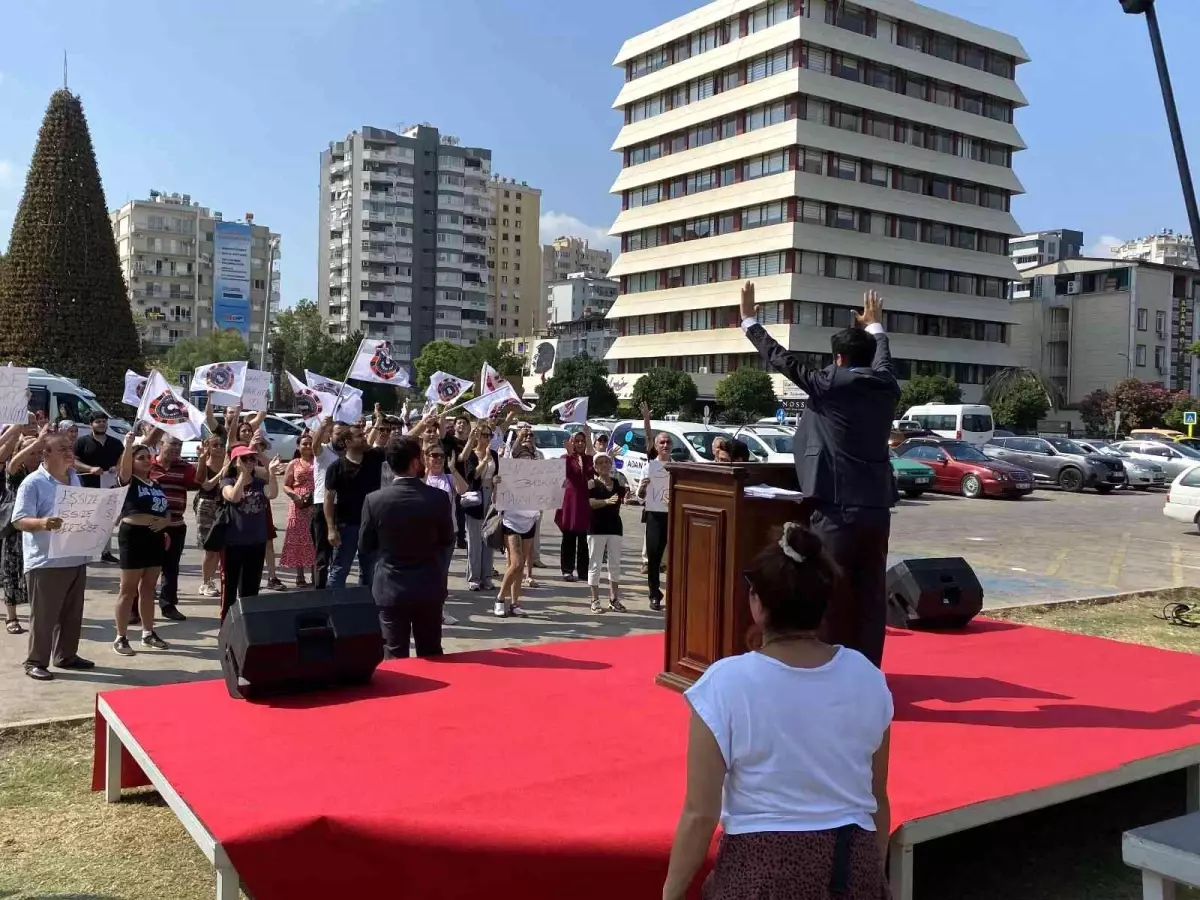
(272, 249)
(1146, 7)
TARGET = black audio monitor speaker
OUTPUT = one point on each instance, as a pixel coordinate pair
(933, 593)
(300, 641)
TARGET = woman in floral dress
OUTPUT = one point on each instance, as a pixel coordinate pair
(12, 569)
(298, 484)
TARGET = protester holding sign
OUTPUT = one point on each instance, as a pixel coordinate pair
(605, 495)
(655, 514)
(142, 545)
(55, 584)
(518, 526)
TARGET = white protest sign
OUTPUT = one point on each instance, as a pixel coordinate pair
(632, 468)
(529, 484)
(256, 393)
(14, 395)
(658, 490)
(89, 516)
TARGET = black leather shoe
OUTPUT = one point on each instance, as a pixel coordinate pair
(75, 662)
(172, 612)
(37, 673)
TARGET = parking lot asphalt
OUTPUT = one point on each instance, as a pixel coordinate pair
(1045, 547)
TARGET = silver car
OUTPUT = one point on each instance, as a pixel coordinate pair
(1174, 458)
(1140, 474)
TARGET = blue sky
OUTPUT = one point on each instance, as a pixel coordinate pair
(232, 102)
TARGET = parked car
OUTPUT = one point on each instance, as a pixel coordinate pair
(1166, 435)
(962, 468)
(955, 421)
(905, 429)
(1061, 462)
(767, 443)
(551, 440)
(912, 477)
(1140, 474)
(282, 436)
(56, 397)
(1175, 459)
(1183, 500)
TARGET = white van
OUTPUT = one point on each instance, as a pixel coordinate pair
(690, 442)
(958, 422)
(55, 397)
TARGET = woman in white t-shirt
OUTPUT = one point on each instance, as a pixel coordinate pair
(787, 750)
(519, 526)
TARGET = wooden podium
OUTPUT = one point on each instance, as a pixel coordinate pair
(716, 531)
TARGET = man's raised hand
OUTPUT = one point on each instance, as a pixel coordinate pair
(748, 310)
(872, 313)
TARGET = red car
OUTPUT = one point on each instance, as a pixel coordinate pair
(961, 468)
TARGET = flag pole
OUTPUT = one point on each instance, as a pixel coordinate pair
(342, 385)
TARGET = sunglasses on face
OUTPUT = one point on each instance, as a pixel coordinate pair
(436, 455)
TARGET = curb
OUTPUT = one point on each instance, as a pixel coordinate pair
(37, 724)
(1168, 594)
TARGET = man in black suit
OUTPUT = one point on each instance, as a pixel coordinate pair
(407, 528)
(843, 465)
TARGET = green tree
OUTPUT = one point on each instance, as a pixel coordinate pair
(1183, 403)
(746, 395)
(216, 346)
(445, 356)
(1096, 410)
(1018, 379)
(305, 343)
(579, 376)
(1141, 404)
(1022, 404)
(64, 304)
(666, 391)
(922, 389)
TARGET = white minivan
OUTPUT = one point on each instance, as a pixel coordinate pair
(690, 442)
(957, 422)
(55, 397)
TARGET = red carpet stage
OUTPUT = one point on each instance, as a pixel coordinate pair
(557, 771)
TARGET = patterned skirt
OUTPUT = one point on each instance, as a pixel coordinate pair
(206, 510)
(841, 864)
(12, 570)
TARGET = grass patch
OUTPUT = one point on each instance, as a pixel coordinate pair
(59, 841)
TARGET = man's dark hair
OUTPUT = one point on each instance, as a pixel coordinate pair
(855, 345)
(97, 415)
(739, 451)
(400, 453)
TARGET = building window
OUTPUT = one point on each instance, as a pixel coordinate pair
(1143, 321)
(1160, 358)
(1140, 355)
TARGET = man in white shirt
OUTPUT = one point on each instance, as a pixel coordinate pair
(324, 456)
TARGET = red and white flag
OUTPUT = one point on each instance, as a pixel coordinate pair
(350, 409)
(374, 362)
(312, 405)
(571, 410)
(162, 407)
(221, 377)
(445, 388)
(135, 386)
(490, 380)
(494, 403)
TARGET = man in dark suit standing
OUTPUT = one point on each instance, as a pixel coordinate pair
(408, 527)
(843, 465)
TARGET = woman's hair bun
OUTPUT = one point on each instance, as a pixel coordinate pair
(801, 539)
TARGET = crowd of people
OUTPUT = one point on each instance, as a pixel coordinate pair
(336, 469)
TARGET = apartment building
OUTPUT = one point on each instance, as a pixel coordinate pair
(819, 150)
(168, 246)
(566, 255)
(514, 266)
(1029, 251)
(402, 251)
(1166, 248)
(1090, 323)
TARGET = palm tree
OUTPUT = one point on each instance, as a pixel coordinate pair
(1007, 380)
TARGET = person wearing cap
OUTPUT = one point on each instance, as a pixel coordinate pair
(97, 454)
(248, 497)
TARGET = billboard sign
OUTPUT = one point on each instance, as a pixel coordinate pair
(231, 277)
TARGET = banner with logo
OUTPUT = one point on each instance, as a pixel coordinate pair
(162, 407)
(374, 362)
(571, 410)
(351, 407)
(221, 378)
(313, 405)
(445, 388)
(134, 385)
(494, 403)
(231, 277)
(489, 379)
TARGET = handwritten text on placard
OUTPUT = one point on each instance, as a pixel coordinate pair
(14, 395)
(89, 516)
(530, 484)
(658, 488)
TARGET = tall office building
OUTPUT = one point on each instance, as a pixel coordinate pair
(168, 246)
(1167, 248)
(402, 250)
(1028, 251)
(514, 266)
(820, 150)
(565, 256)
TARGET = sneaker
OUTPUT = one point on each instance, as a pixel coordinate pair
(489, 585)
(616, 606)
(448, 619)
(498, 609)
(171, 611)
(121, 646)
(531, 583)
(568, 576)
(108, 558)
(518, 611)
(153, 641)
(596, 607)
(39, 673)
(208, 589)
(473, 585)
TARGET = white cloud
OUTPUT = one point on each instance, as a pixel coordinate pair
(1101, 247)
(8, 173)
(555, 224)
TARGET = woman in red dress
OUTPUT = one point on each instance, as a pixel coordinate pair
(298, 484)
(574, 516)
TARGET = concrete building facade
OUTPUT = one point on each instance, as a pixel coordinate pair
(165, 245)
(820, 150)
(568, 255)
(514, 266)
(1032, 250)
(403, 229)
(1090, 323)
(1166, 248)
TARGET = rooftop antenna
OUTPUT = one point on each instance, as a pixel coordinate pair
(64, 70)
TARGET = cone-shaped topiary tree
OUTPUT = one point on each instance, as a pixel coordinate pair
(63, 300)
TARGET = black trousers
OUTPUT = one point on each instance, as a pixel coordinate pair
(857, 538)
(657, 531)
(241, 573)
(421, 621)
(318, 530)
(460, 522)
(574, 554)
(169, 594)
